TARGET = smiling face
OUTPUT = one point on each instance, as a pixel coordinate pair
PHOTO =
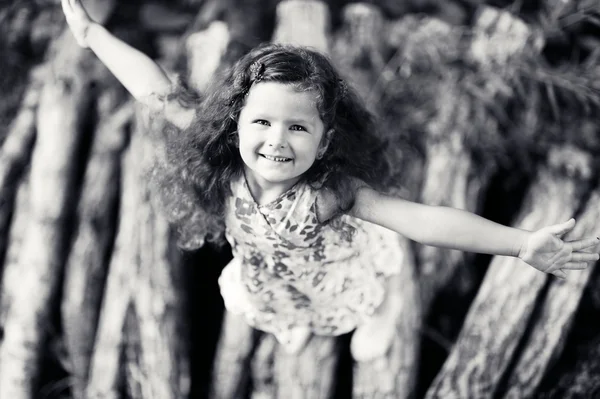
(280, 134)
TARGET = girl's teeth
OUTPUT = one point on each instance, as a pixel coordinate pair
(276, 159)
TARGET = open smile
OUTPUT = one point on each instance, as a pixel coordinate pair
(275, 159)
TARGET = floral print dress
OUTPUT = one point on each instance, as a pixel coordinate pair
(290, 271)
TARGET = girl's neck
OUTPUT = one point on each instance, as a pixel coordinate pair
(265, 192)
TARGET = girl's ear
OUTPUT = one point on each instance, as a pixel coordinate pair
(324, 143)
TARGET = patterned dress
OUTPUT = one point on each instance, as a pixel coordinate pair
(289, 270)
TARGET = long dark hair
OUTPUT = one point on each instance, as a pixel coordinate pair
(205, 156)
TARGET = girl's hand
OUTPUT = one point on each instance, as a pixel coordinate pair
(545, 250)
(78, 20)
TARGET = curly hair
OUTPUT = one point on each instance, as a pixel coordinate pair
(206, 158)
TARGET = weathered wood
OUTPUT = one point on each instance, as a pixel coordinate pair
(87, 265)
(357, 51)
(575, 374)
(16, 235)
(205, 50)
(500, 37)
(499, 315)
(104, 373)
(158, 299)
(144, 295)
(62, 105)
(231, 369)
(451, 178)
(16, 152)
(310, 373)
(263, 368)
(395, 375)
(303, 23)
(357, 47)
(551, 328)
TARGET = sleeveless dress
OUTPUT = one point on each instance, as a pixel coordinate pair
(289, 270)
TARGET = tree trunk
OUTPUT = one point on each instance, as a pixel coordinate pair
(395, 374)
(545, 341)
(87, 266)
(16, 152)
(358, 52)
(144, 295)
(62, 106)
(232, 360)
(501, 311)
(303, 23)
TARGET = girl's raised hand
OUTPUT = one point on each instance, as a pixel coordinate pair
(78, 20)
(546, 251)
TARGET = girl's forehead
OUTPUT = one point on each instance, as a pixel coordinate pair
(281, 98)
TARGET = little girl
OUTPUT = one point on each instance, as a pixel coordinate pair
(282, 158)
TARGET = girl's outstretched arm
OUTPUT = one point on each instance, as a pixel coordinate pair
(140, 75)
(457, 229)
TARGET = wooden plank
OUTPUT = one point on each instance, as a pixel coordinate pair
(500, 313)
(15, 152)
(41, 259)
(550, 331)
(87, 265)
(303, 23)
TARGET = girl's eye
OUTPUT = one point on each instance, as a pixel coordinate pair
(298, 127)
(262, 122)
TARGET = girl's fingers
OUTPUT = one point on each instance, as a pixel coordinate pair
(584, 243)
(561, 229)
(574, 266)
(584, 257)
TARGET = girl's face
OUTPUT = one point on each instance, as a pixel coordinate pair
(280, 133)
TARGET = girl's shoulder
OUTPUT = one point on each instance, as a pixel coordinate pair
(327, 203)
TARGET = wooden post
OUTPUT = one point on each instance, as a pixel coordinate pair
(105, 365)
(395, 374)
(231, 369)
(87, 265)
(16, 152)
(205, 50)
(303, 23)
(61, 108)
(549, 332)
(310, 373)
(358, 52)
(500, 313)
(144, 295)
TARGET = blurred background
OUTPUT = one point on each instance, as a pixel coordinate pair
(490, 106)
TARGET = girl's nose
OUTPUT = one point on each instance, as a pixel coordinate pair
(277, 138)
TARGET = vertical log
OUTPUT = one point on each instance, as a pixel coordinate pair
(87, 265)
(15, 153)
(205, 50)
(309, 374)
(104, 373)
(357, 49)
(548, 335)
(499, 315)
(234, 351)
(263, 370)
(16, 235)
(144, 296)
(303, 23)
(62, 105)
(395, 374)
(358, 52)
